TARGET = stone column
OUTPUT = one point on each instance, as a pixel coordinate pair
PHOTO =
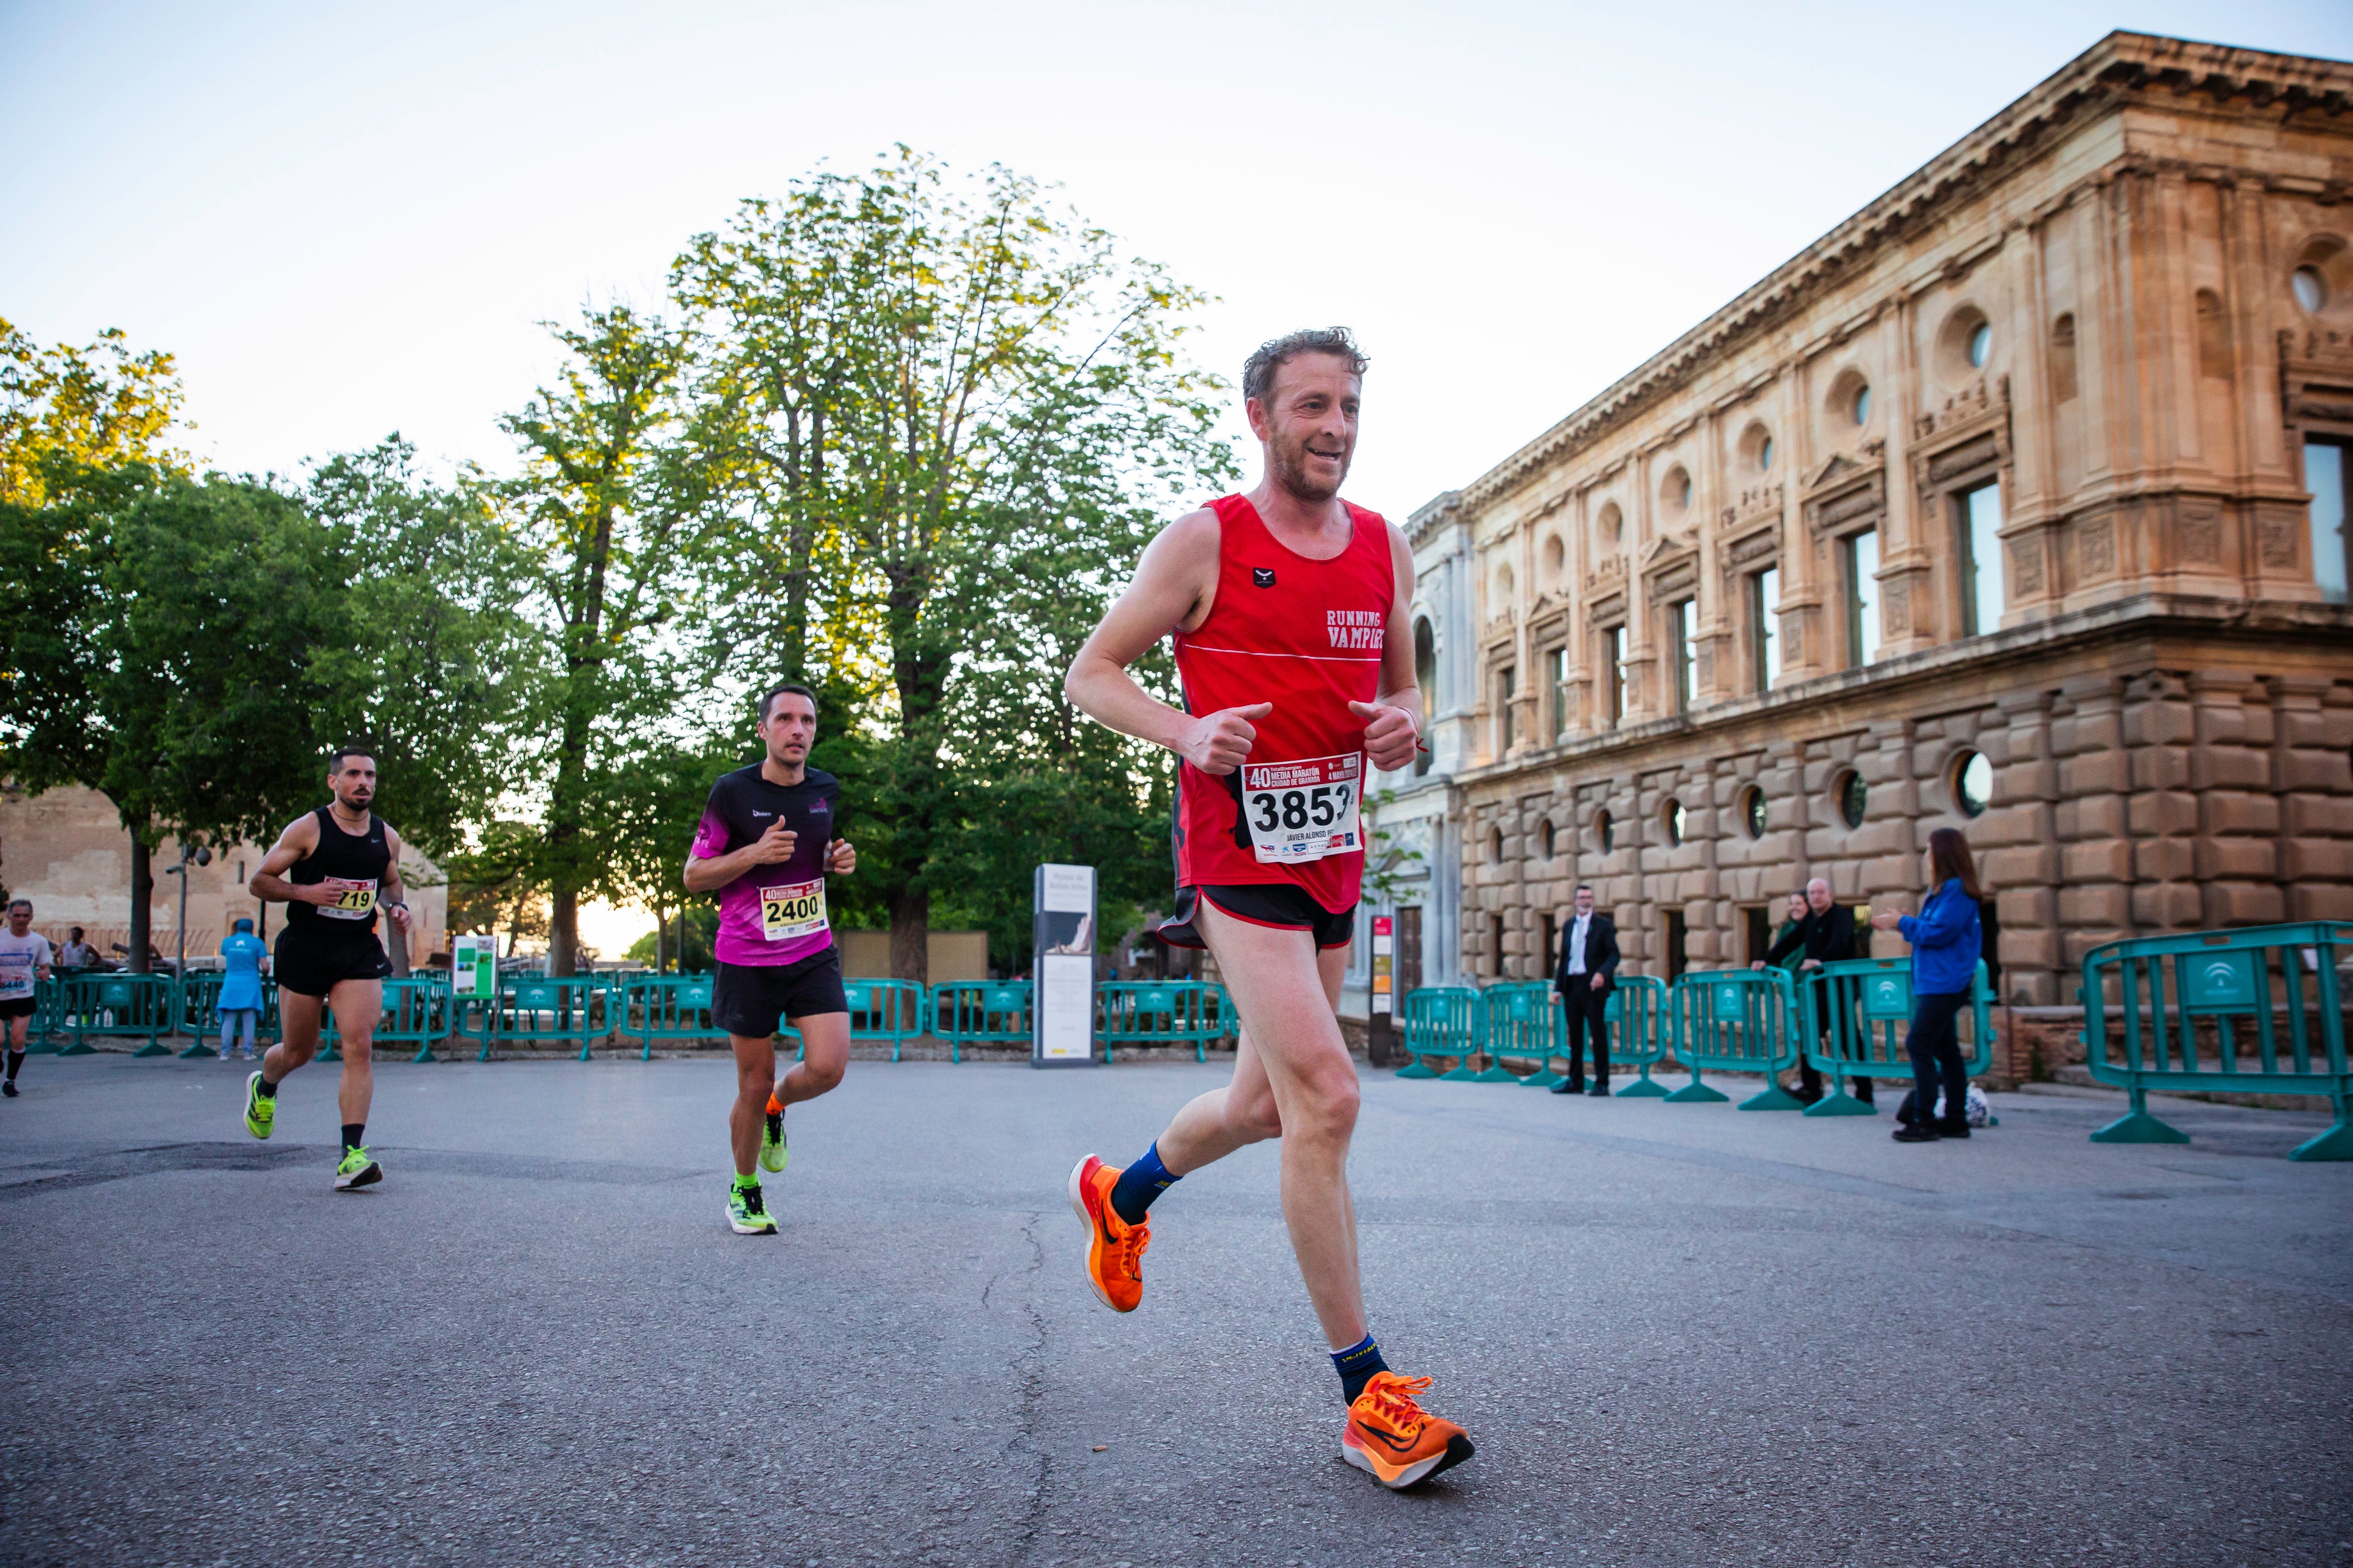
(2230, 777)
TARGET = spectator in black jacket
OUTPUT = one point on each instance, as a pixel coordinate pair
(1827, 935)
(1583, 977)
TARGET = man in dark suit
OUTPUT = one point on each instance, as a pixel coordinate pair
(1827, 935)
(1583, 979)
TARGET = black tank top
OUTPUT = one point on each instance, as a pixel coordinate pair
(356, 862)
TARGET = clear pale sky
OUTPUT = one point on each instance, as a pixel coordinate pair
(348, 220)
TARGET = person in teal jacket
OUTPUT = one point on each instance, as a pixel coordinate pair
(1946, 943)
(240, 995)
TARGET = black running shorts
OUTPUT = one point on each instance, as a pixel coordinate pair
(1284, 905)
(750, 997)
(309, 966)
(16, 1008)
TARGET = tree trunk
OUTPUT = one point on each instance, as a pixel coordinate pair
(143, 902)
(563, 931)
(911, 935)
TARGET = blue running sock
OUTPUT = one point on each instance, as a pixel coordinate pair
(1139, 1184)
(1356, 1365)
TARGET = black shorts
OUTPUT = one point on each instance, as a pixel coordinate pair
(1285, 905)
(312, 966)
(17, 1007)
(750, 997)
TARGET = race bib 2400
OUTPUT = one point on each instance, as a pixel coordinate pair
(1303, 811)
(794, 909)
(354, 900)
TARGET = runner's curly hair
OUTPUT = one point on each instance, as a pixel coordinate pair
(1258, 371)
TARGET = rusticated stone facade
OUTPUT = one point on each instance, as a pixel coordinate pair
(2013, 503)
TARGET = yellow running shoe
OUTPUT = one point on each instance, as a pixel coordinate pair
(1392, 1438)
(1114, 1248)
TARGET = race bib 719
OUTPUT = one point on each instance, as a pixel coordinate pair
(1303, 811)
(354, 900)
(794, 909)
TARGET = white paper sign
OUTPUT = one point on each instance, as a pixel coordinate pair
(1070, 889)
(1066, 1005)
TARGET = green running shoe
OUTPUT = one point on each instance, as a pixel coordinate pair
(773, 1155)
(357, 1171)
(747, 1213)
(260, 1115)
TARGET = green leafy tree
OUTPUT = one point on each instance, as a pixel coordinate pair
(66, 410)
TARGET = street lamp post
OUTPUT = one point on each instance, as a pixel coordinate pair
(202, 856)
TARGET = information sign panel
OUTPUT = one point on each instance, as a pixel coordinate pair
(1062, 935)
(473, 967)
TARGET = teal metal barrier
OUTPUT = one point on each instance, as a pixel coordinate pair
(199, 1011)
(415, 1013)
(667, 1007)
(2258, 1010)
(889, 1010)
(1162, 1012)
(119, 1005)
(48, 1015)
(575, 1009)
(1857, 1017)
(1636, 1017)
(1439, 1021)
(1738, 1020)
(1522, 1021)
(980, 1012)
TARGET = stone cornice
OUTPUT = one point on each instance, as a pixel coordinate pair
(2119, 67)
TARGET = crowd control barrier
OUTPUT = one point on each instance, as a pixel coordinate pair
(889, 1010)
(1522, 1021)
(1439, 1021)
(42, 1034)
(119, 1005)
(667, 1007)
(1736, 1020)
(980, 1012)
(2267, 999)
(1857, 1016)
(1162, 1012)
(574, 1009)
(415, 1012)
(199, 1011)
(1636, 1017)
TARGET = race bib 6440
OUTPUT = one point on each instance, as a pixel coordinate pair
(1304, 810)
(354, 900)
(794, 909)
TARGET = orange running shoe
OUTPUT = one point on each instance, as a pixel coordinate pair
(1393, 1439)
(1114, 1248)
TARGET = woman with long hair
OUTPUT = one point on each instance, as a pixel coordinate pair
(1946, 943)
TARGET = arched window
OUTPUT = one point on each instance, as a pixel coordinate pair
(1425, 676)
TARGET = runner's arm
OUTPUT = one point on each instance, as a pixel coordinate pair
(1393, 718)
(393, 895)
(269, 881)
(706, 873)
(1172, 584)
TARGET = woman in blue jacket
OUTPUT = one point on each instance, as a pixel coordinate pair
(1945, 945)
(240, 994)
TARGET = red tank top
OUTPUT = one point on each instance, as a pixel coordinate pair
(1306, 635)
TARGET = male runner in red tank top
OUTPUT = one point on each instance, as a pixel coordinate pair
(1290, 611)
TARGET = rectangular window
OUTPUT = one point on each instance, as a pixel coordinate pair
(1560, 659)
(1757, 920)
(1862, 551)
(1496, 934)
(1613, 657)
(2325, 476)
(1982, 600)
(1551, 932)
(1506, 682)
(1765, 626)
(1681, 616)
(1676, 938)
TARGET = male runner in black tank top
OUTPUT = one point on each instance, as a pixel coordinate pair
(332, 869)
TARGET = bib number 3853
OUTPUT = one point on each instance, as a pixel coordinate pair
(1304, 810)
(794, 909)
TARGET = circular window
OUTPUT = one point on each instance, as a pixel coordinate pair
(1862, 404)
(1605, 828)
(1545, 837)
(1981, 344)
(1852, 797)
(1672, 818)
(1752, 811)
(1973, 784)
(2311, 289)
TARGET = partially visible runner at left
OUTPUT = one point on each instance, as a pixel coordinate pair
(332, 869)
(766, 846)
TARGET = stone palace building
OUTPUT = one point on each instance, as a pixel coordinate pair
(2015, 503)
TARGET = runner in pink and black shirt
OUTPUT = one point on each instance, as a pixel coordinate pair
(766, 846)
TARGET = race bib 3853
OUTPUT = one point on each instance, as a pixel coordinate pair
(1304, 810)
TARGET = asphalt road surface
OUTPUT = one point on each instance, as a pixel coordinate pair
(1677, 1334)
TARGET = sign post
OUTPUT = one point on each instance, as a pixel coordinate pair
(1063, 937)
(1380, 1035)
